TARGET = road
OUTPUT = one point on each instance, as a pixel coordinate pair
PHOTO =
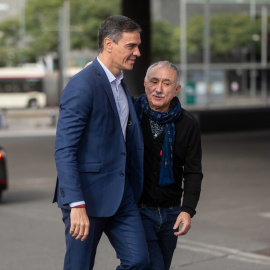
(229, 231)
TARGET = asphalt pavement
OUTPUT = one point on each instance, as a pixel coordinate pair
(229, 231)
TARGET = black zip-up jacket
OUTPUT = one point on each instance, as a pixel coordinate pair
(187, 169)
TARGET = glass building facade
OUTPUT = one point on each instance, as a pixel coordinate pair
(230, 65)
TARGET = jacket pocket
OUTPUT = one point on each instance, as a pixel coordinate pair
(92, 167)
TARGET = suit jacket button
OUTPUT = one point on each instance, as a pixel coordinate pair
(123, 154)
(121, 174)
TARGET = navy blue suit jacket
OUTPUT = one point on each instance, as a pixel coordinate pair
(91, 155)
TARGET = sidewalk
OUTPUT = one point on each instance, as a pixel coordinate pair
(29, 123)
(231, 228)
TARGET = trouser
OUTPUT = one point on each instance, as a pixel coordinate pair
(124, 230)
(158, 224)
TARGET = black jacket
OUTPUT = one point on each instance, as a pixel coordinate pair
(187, 167)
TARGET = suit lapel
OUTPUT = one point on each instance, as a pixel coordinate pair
(134, 134)
(131, 108)
(133, 121)
(107, 87)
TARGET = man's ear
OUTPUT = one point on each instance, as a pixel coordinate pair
(177, 90)
(108, 43)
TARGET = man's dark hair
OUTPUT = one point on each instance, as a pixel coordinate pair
(113, 27)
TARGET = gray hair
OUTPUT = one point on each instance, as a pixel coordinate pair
(165, 64)
(113, 27)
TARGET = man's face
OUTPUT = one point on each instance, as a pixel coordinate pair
(125, 52)
(161, 86)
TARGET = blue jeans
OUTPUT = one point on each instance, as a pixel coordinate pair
(158, 224)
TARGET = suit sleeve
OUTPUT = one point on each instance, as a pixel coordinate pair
(75, 109)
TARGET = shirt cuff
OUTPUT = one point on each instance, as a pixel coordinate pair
(76, 203)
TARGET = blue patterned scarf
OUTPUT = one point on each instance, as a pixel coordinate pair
(167, 119)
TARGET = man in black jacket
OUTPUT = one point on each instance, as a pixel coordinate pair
(172, 163)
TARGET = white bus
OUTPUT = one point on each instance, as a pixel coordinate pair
(22, 88)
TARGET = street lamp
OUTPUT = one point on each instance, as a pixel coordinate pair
(207, 54)
(252, 9)
(183, 46)
(253, 83)
(22, 27)
(3, 7)
(264, 56)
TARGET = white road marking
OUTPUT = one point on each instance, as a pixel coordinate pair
(265, 215)
(221, 251)
(27, 133)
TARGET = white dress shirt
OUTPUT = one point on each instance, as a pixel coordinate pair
(119, 97)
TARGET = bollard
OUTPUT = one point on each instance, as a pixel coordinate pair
(3, 119)
(53, 116)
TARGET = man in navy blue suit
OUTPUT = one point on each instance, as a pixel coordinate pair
(99, 154)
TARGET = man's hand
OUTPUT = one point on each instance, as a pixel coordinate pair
(79, 223)
(184, 219)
